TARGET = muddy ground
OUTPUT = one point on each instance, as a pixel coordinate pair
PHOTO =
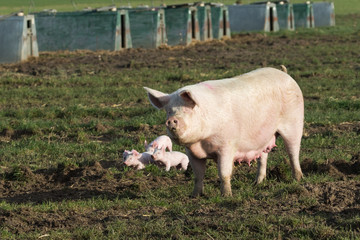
(340, 199)
(337, 199)
(247, 50)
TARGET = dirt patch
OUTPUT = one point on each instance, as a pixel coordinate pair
(340, 169)
(245, 49)
(323, 129)
(21, 185)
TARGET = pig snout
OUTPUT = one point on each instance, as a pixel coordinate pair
(172, 123)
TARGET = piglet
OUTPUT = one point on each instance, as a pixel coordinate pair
(170, 159)
(137, 160)
(160, 142)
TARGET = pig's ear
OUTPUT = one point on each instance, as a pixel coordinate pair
(145, 144)
(125, 153)
(135, 152)
(188, 98)
(155, 144)
(157, 99)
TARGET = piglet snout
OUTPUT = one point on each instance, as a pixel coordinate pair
(172, 123)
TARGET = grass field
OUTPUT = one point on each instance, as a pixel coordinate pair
(341, 6)
(66, 118)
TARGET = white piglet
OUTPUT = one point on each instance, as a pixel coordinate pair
(170, 159)
(160, 142)
(137, 160)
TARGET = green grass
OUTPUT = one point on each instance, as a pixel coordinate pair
(341, 6)
(70, 120)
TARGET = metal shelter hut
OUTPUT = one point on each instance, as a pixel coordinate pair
(304, 15)
(205, 22)
(324, 14)
(220, 21)
(17, 38)
(253, 17)
(92, 30)
(147, 27)
(182, 25)
(285, 13)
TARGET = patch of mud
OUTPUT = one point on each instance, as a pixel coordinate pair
(335, 196)
(21, 185)
(339, 169)
(313, 129)
(245, 49)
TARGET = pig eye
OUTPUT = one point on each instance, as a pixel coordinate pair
(169, 112)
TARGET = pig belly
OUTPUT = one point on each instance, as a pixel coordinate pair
(254, 154)
(247, 156)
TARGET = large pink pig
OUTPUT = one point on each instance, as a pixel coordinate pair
(235, 119)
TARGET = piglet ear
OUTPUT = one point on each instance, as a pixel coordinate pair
(135, 152)
(145, 144)
(125, 153)
(155, 144)
(188, 98)
(157, 99)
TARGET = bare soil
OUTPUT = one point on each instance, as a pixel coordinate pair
(245, 50)
(334, 199)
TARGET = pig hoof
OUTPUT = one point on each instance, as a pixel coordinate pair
(195, 195)
(258, 181)
(298, 176)
(226, 194)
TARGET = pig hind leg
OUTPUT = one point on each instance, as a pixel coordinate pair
(291, 134)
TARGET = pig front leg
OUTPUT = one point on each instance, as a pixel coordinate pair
(261, 171)
(167, 166)
(225, 168)
(198, 166)
(140, 166)
(184, 164)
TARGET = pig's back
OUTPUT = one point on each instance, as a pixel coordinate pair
(248, 107)
(263, 78)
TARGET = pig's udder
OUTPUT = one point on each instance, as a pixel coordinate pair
(247, 157)
(253, 155)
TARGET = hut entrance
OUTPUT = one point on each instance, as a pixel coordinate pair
(123, 30)
(29, 34)
(208, 23)
(271, 16)
(224, 22)
(193, 24)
